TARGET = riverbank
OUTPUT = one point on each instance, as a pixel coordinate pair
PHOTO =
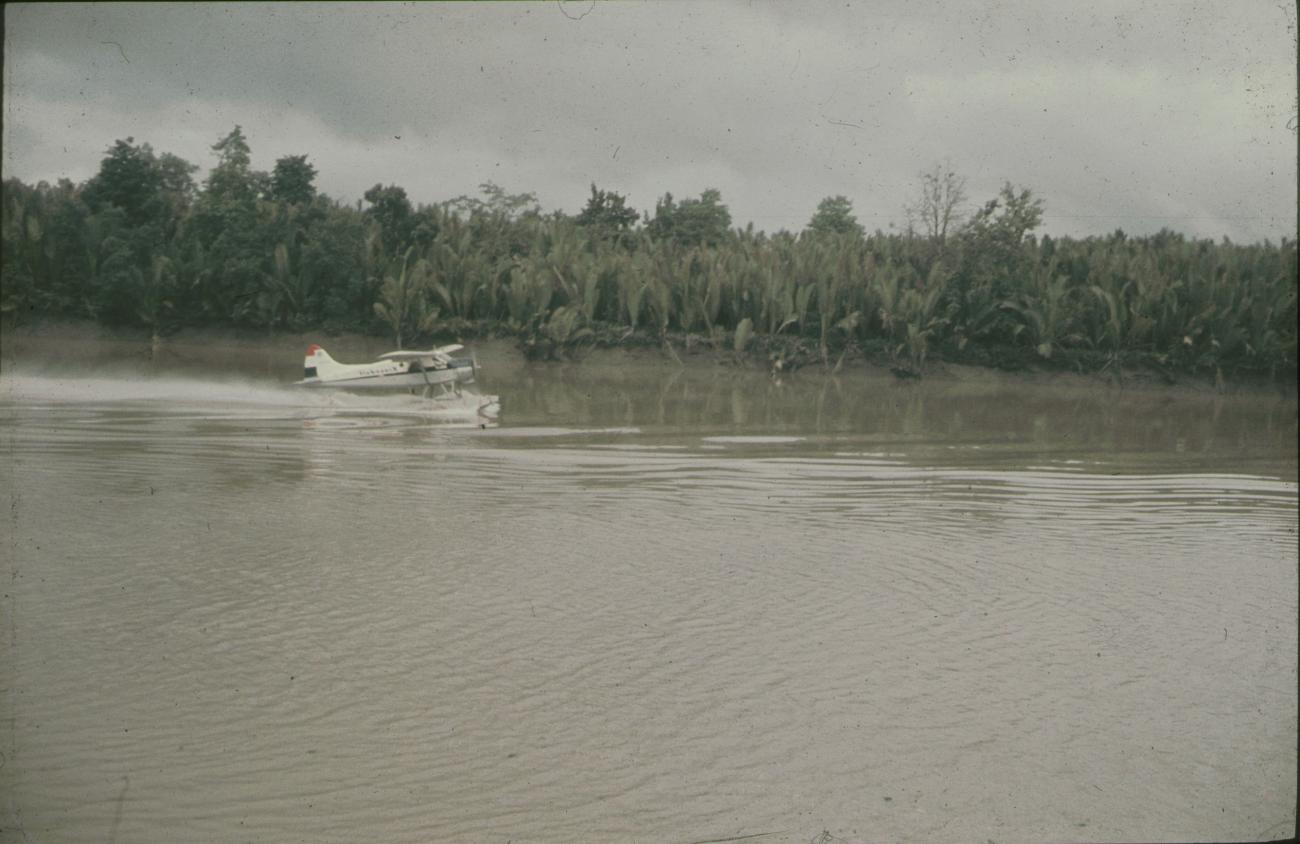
(61, 344)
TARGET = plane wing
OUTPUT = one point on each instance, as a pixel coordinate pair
(439, 353)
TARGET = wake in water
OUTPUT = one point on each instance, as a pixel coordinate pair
(201, 395)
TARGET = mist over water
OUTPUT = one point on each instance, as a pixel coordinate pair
(645, 605)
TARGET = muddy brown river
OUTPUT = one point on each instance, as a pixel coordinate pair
(646, 604)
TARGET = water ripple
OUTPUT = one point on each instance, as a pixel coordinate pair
(288, 622)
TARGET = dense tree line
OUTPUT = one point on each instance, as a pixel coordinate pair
(142, 244)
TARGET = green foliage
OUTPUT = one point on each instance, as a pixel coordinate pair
(129, 179)
(1048, 310)
(233, 179)
(150, 190)
(496, 203)
(555, 334)
(692, 222)
(139, 245)
(392, 211)
(292, 180)
(835, 216)
(1006, 220)
(607, 213)
(286, 296)
(403, 303)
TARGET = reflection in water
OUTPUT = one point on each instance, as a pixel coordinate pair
(665, 606)
(1117, 426)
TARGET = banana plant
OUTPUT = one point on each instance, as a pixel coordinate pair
(910, 314)
(285, 295)
(838, 267)
(565, 326)
(1046, 311)
(556, 334)
(403, 304)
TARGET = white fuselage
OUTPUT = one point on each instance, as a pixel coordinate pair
(386, 374)
(413, 370)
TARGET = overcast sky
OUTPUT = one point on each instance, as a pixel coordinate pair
(1138, 115)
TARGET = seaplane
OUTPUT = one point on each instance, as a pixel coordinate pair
(405, 370)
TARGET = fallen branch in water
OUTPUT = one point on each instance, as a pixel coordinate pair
(737, 837)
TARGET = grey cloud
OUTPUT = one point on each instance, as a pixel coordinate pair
(1111, 113)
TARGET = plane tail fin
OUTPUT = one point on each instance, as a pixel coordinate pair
(316, 360)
